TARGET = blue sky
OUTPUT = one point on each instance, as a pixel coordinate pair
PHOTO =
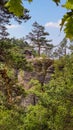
(47, 14)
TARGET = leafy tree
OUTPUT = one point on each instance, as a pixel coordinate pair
(67, 19)
(55, 99)
(11, 5)
(7, 13)
(5, 46)
(12, 118)
(18, 61)
(36, 118)
(17, 8)
(4, 19)
(9, 88)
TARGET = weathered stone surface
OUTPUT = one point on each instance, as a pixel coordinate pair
(42, 72)
(30, 99)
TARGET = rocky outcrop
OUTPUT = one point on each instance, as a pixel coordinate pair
(42, 70)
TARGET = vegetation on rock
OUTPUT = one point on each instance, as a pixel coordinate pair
(50, 80)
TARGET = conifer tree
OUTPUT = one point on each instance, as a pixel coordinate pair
(38, 37)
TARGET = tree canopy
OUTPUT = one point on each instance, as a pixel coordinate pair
(52, 106)
(8, 10)
(38, 37)
(67, 20)
(17, 8)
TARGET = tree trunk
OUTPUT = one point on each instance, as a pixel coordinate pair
(65, 51)
(39, 49)
(16, 73)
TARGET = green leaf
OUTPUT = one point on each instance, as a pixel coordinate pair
(67, 21)
(16, 7)
(68, 4)
(69, 28)
(30, 0)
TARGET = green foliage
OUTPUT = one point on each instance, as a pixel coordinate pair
(69, 4)
(38, 38)
(18, 60)
(30, 0)
(62, 48)
(4, 49)
(11, 114)
(56, 100)
(53, 108)
(36, 118)
(15, 7)
(11, 119)
(67, 19)
(12, 53)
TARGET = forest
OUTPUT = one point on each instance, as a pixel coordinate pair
(36, 76)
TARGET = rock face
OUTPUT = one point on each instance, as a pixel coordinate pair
(42, 70)
(30, 99)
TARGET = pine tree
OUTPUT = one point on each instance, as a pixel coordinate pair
(38, 37)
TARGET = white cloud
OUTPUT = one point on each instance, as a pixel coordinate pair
(12, 26)
(53, 24)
